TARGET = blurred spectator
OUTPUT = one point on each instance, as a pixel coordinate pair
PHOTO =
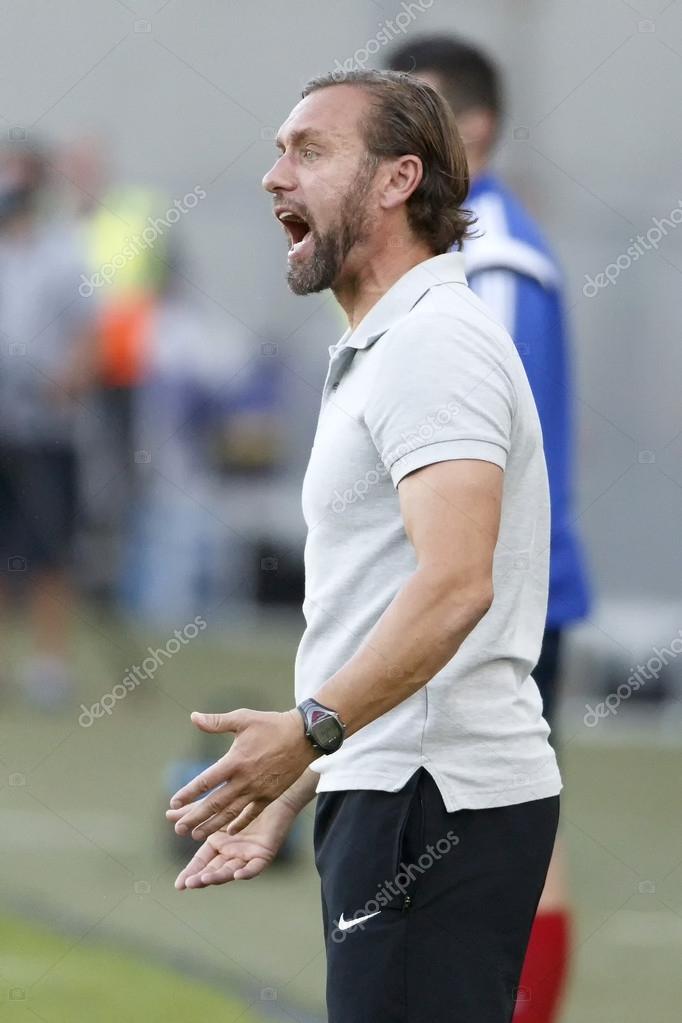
(207, 416)
(45, 334)
(191, 412)
(511, 267)
(129, 260)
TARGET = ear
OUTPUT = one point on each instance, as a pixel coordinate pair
(403, 177)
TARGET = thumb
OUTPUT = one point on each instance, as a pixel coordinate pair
(233, 721)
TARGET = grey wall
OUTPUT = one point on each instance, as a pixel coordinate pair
(596, 85)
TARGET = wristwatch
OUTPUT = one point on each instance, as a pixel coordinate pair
(323, 727)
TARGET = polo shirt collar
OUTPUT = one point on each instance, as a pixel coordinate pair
(403, 296)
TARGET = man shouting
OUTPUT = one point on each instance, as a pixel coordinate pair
(426, 501)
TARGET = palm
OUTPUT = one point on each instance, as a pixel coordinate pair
(239, 857)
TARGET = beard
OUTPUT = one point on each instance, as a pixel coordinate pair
(331, 248)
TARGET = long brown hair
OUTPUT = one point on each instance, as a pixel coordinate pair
(408, 117)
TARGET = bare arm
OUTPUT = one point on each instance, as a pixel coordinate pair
(298, 795)
(451, 513)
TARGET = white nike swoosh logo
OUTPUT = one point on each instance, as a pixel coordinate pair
(344, 925)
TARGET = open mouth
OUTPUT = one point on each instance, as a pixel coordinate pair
(297, 228)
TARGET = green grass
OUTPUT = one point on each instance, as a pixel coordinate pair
(57, 980)
(85, 822)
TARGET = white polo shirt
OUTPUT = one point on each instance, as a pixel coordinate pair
(429, 375)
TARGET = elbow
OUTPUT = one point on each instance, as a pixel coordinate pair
(470, 606)
(463, 601)
(481, 602)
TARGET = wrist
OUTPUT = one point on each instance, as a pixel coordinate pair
(308, 753)
(278, 818)
(289, 806)
(322, 725)
(295, 799)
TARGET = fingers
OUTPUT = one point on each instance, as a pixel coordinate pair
(199, 811)
(209, 779)
(175, 815)
(235, 869)
(223, 815)
(251, 869)
(221, 807)
(232, 722)
(247, 816)
(221, 874)
(198, 863)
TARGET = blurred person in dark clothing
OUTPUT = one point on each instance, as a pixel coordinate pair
(511, 267)
(44, 328)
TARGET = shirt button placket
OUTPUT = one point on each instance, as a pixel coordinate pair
(340, 362)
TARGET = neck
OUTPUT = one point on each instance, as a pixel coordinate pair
(361, 288)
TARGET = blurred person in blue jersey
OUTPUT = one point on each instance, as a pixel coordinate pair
(511, 267)
(45, 328)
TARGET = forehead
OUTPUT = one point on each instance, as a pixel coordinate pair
(334, 112)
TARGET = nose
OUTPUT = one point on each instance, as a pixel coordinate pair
(279, 178)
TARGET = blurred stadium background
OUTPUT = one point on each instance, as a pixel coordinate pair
(192, 439)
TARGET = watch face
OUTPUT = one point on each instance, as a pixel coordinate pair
(326, 731)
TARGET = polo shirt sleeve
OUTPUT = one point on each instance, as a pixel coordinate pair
(441, 392)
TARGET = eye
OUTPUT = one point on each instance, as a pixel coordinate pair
(309, 155)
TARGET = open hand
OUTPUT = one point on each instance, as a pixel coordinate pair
(269, 754)
(224, 857)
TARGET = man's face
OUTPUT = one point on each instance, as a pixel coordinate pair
(322, 186)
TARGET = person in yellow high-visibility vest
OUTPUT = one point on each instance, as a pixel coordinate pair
(127, 232)
(128, 254)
